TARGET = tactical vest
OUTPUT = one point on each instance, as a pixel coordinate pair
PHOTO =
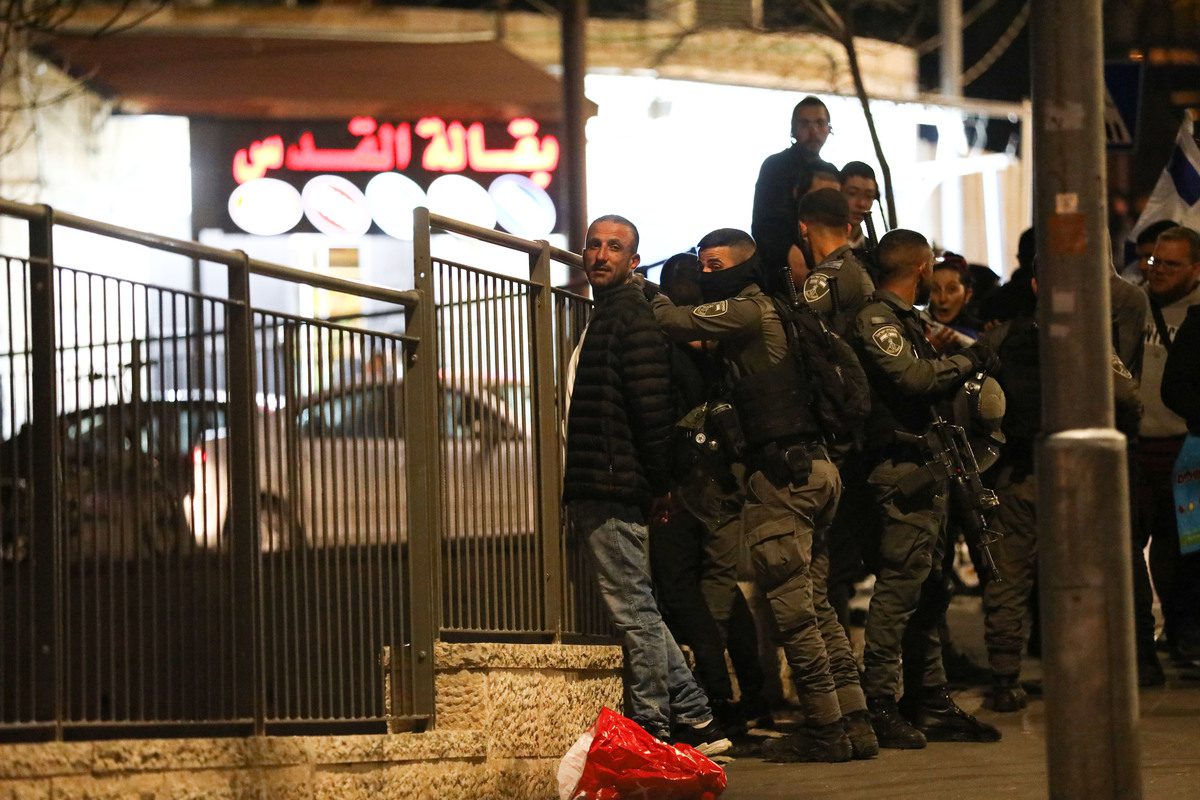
(775, 405)
(1022, 383)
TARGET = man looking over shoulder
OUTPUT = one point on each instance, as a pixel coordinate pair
(838, 285)
(618, 459)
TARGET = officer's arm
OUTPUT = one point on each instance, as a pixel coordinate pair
(884, 346)
(725, 319)
(1127, 400)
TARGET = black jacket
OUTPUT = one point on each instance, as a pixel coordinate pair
(773, 223)
(618, 431)
(1181, 375)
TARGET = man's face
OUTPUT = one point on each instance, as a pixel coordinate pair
(715, 259)
(823, 180)
(860, 193)
(1172, 273)
(1144, 251)
(811, 128)
(608, 254)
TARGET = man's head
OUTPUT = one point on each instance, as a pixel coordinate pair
(810, 125)
(818, 175)
(680, 279)
(860, 188)
(824, 213)
(1175, 266)
(905, 256)
(1144, 244)
(610, 251)
(728, 262)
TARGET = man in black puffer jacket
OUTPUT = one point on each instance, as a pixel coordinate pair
(618, 465)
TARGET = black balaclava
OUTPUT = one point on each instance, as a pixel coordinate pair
(726, 283)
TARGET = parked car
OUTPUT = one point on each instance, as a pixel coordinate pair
(126, 469)
(332, 470)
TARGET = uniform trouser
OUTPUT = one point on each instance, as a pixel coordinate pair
(912, 544)
(1176, 577)
(1005, 602)
(852, 527)
(785, 529)
(660, 689)
(681, 553)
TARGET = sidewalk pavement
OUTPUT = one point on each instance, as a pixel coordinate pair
(1013, 768)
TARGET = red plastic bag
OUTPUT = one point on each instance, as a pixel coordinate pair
(625, 763)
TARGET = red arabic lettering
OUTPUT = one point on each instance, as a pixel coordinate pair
(527, 155)
(375, 153)
(254, 161)
(447, 149)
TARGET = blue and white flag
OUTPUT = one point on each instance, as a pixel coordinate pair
(1177, 194)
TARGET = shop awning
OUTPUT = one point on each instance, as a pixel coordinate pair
(308, 78)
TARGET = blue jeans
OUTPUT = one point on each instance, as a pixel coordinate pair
(659, 685)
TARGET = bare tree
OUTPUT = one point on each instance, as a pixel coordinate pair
(24, 23)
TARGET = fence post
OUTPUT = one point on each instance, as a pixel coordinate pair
(243, 500)
(549, 511)
(45, 536)
(423, 469)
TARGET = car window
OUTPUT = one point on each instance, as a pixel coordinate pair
(361, 413)
(466, 416)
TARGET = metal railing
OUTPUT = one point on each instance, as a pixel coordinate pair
(224, 518)
(504, 337)
(205, 515)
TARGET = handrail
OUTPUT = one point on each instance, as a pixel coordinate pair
(203, 252)
(493, 236)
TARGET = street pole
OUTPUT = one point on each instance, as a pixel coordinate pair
(951, 144)
(574, 67)
(1083, 494)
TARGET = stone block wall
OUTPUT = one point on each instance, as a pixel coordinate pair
(505, 715)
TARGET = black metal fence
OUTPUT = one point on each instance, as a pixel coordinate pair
(222, 518)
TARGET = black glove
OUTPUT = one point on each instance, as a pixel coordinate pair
(983, 357)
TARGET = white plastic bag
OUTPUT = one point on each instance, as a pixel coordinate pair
(571, 767)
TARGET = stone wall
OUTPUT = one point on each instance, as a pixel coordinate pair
(505, 715)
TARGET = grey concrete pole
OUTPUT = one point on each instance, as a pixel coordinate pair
(1083, 495)
(950, 56)
(574, 64)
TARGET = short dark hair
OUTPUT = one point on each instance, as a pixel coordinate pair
(726, 237)
(858, 169)
(825, 207)
(680, 279)
(901, 251)
(619, 220)
(808, 102)
(811, 170)
(1181, 234)
(1149, 234)
(1027, 247)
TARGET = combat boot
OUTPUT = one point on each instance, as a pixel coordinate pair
(821, 743)
(863, 741)
(941, 720)
(891, 729)
(1007, 694)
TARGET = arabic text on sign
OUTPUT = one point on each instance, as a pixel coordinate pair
(451, 147)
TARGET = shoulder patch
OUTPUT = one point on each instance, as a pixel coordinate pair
(889, 340)
(711, 309)
(816, 286)
(878, 320)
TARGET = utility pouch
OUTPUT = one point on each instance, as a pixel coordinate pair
(723, 423)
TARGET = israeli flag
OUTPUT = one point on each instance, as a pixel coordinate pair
(1177, 194)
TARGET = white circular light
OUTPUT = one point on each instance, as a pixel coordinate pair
(265, 207)
(463, 199)
(391, 197)
(336, 206)
(523, 207)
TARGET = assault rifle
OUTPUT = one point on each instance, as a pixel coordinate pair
(951, 458)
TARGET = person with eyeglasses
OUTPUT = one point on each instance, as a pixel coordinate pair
(780, 182)
(1173, 284)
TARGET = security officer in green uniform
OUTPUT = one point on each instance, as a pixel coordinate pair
(792, 492)
(907, 379)
(836, 289)
(839, 285)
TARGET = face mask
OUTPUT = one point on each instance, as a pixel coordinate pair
(726, 283)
